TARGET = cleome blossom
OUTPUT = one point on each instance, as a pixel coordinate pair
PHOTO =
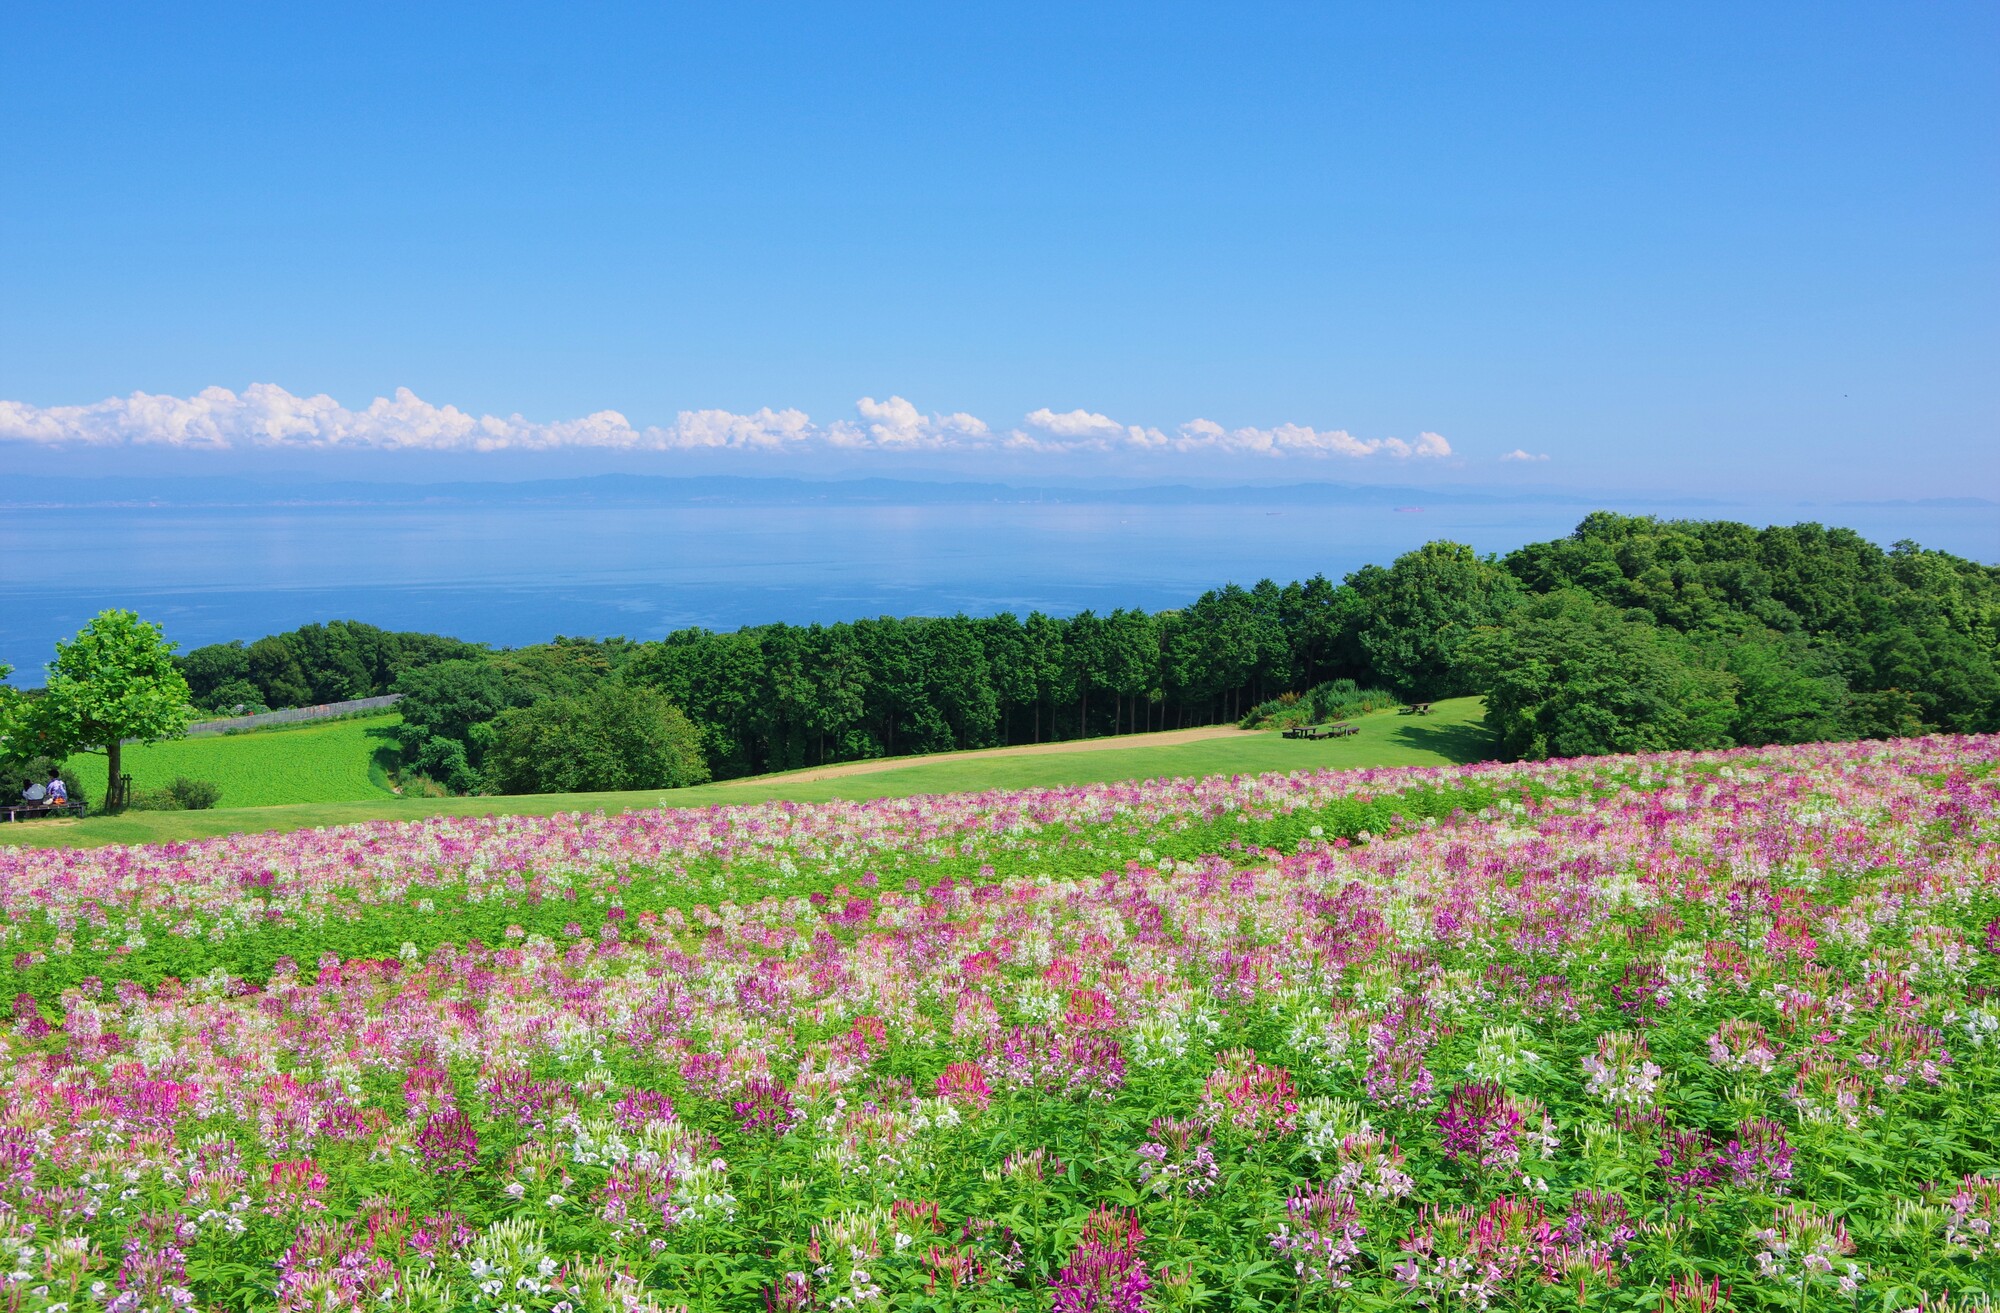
(1628, 1032)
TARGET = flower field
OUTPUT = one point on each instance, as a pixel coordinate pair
(1685, 1032)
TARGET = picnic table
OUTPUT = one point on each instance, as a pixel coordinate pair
(1417, 709)
(1337, 731)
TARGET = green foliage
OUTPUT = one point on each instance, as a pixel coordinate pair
(1337, 699)
(613, 737)
(1419, 612)
(237, 697)
(10, 710)
(334, 662)
(1913, 635)
(441, 705)
(179, 794)
(115, 680)
(1784, 691)
(1569, 676)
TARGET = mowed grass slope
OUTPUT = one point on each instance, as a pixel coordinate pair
(332, 761)
(1453, 734)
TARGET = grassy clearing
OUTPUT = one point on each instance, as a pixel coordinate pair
(331, 761)
(1453, 733)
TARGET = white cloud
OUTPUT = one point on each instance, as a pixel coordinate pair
(1301, 440)
(265, 415)
(1518, 454)
(1076, 424)
(720, 429)
(895, 424)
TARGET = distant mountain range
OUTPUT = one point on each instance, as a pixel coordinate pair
(641, 490)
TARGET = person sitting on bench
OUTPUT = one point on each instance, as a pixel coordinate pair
(57, 793)
(32, 792)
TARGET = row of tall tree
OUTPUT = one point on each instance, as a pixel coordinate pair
(1630, 633)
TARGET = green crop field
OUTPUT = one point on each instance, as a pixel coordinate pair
(332, 761)
(1453, 733)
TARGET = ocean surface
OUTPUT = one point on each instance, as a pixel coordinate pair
(520, 573)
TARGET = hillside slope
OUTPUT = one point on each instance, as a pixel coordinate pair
(1452, 734)
(333, 761)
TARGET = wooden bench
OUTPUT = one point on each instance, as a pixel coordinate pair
(1417, 709)
(24, 811)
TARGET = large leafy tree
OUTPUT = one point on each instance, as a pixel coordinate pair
(614, 737)
(443, 707)
(116, 680)
(1784, 693)
(1568, 675)
(1420, 611)
(10, 704)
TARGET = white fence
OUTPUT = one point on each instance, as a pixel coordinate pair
(292, 715)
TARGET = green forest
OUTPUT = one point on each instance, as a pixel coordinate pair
(1629, 634)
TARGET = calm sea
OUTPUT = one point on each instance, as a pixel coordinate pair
(520, 574)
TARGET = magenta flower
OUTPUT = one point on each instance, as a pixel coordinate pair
(766, 1106)
(1482, 1124)
(448, 1143)
(639, 1109)
(965, 1083)
(1105, 1273)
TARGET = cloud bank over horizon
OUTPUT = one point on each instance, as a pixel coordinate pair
(266, 416)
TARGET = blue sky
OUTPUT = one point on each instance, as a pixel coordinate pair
(1700, 248)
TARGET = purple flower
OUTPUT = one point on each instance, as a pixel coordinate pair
(766, 1106)
(1105, 1273)
(448, 1142)
(1758, 1157)
(1485, 1124)
(1177, 1158)
(1320, 1235)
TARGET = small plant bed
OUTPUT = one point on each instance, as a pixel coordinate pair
(1336, 700)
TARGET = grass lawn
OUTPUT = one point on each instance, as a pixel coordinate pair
(1453, 733)
(329, 761)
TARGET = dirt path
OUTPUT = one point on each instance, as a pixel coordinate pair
(1163, 739)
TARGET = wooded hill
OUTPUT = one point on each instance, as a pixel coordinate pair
(1629, 634)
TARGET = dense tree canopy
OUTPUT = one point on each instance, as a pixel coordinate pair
(1778, 635)
(1416, 615)
(334, 662)
(613, 737)
(1568, 675)
(443, 708)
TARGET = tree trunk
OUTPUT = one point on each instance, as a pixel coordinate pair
(112, 753)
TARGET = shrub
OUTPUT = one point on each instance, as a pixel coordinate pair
(423, 786)
(238, 697)
(1337, 699)
(613, 737)
(183, 794)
